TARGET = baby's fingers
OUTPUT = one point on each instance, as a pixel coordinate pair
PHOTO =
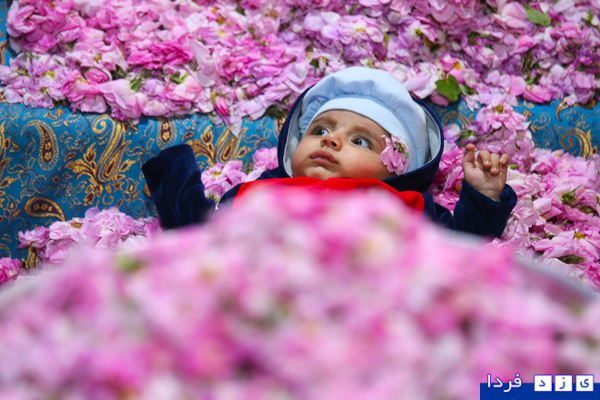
(469, 157)
(470, 152)
(493, 163)
(485, 159)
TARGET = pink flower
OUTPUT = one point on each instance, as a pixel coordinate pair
(447, 183)
(42, 26)
(395, 155)
(57, 251)
(95, 75)
(265, 158)
(221, 106)
(9, 269)
(101, 229)
(94, 104)
(358, 28)
(537, 94)
(36, 238)
(512, 15)
(19, 21)
(220, 178)
(171, 52)
(502, 130)
(124, 102)
(454, 15)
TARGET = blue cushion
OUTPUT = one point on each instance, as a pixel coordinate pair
(55, 164)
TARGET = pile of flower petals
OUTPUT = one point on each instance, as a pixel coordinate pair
(557, 215)
(154, 58)
(309, 298)
(109, 228)
(558, 208)
(238, 58)
(114, 229)
(218, 179)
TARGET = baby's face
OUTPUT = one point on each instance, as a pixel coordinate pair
(341, 144)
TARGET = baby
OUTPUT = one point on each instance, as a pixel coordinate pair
(357, 127)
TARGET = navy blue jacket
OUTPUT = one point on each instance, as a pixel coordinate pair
(173, 179)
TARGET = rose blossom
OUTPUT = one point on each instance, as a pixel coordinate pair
(9, 269)
(395, 155)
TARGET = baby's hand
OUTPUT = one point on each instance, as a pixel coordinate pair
(487, 173)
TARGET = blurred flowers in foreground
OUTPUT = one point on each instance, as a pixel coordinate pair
(291, 296)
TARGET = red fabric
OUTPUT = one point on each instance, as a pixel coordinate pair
(412, 199)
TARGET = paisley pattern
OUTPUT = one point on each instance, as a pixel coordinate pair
(39, 207)
(554, 125)
(55, 164)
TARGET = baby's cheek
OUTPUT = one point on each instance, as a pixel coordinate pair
(374, 169)
(297, 169)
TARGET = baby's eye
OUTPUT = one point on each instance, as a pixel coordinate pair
(320, 131)
(362, 142)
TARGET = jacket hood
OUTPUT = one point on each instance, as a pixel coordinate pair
(419, 179)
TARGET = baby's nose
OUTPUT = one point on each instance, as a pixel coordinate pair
(333, 140)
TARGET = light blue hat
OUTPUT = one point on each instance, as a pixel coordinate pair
(374, 94)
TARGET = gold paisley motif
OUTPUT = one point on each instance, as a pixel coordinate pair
(146, 191)
(279, 123)
(5, 182)
(12, 208)
(528, 114)
(167, 133)
(4, 249)
(107, 173)
(204, 146)
(229, 147)
(572, 138)
(4, 162)
(32, 261)
(563, 106)
(56, 114)
(528, 104)
(4, 46)
(49, 150)
(541, 122)
(42, 207)
(226, 148)
(454, 116)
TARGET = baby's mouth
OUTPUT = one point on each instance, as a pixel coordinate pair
(323, 156)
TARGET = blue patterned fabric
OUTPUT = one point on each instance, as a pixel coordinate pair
(554, 125)
(55, 164)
